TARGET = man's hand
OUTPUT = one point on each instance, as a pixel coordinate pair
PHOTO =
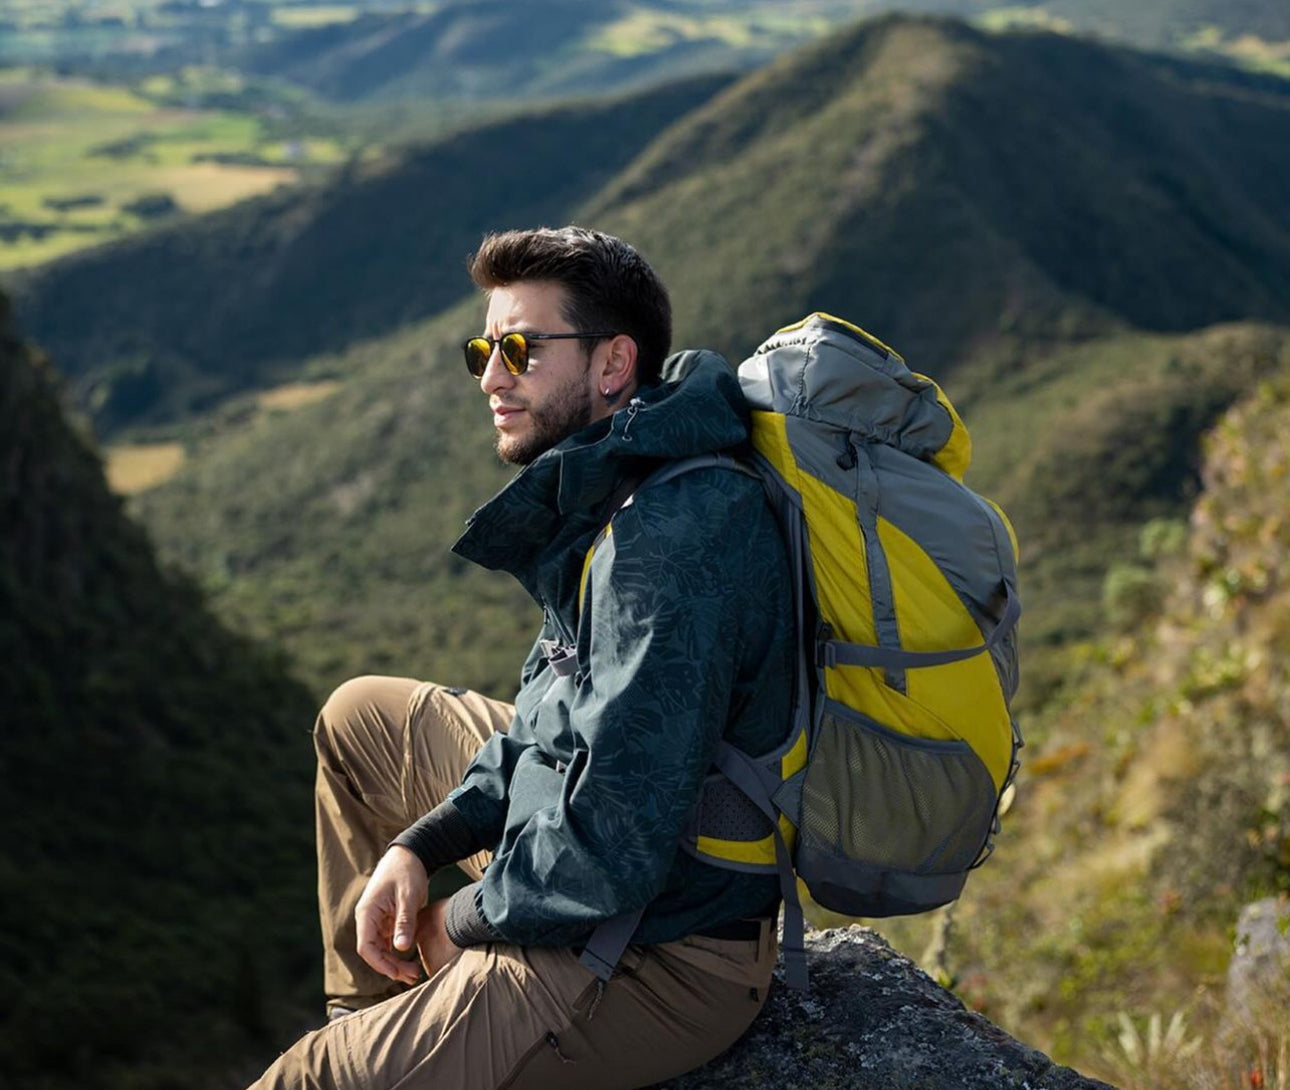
(433, 944)
(387, 914)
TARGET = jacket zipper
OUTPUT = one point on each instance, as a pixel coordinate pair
(633, 407)
(552, 618)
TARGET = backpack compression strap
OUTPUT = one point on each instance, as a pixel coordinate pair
(836, 653)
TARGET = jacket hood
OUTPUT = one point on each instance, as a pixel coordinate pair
(697, 409)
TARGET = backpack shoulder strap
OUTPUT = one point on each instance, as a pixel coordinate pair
(608, 941)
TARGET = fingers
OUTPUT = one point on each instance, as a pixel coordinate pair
(375, 947)
(386, 915)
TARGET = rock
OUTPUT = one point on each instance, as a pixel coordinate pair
(1259, 972)
(874, 1021)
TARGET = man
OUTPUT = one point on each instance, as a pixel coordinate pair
(676, 633)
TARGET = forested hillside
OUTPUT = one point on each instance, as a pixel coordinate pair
(155, 885)
(164, 324)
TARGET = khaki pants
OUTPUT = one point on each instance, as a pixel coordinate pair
(390, 749)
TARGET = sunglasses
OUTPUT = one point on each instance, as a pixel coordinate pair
(514, 349)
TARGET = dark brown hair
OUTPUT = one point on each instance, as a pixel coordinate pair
(608, 285)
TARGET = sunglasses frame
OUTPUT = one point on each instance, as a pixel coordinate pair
(498, 342)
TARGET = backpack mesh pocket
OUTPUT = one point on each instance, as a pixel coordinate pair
(878, 804)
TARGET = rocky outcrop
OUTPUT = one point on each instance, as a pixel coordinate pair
(1259, 972)
(872, 1020)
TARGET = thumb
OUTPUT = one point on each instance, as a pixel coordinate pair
(405, 921)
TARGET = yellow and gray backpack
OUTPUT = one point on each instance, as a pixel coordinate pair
(886, 793)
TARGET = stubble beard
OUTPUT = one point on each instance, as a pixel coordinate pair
(568, 410)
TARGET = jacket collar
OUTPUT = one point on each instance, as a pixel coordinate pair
(531, 525)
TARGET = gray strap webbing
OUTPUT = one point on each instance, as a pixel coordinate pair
(608, 942)
(751, 778)
(611, 938)
(835, 653)
(562, 657)
(699, 461)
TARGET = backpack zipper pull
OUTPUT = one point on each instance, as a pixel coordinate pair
(847, 459)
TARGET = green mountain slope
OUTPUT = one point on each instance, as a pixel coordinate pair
(160, 325)
(155, 909)
(892, 186)
(956, 191)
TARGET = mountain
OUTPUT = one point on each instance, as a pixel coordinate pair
(155, 900)
(482, 49)
(163, 324)
(570, 46)
(956, 191)
(1041, 223)
(960, 193)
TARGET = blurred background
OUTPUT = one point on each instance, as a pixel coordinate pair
(236, 440)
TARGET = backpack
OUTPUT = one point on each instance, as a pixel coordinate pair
(886, 793)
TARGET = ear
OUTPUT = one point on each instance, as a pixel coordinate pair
(617, 373)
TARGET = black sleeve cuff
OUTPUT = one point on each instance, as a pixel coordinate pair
(442, 837)
(464, 921)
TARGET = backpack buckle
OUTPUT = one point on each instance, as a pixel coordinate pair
(826, 654)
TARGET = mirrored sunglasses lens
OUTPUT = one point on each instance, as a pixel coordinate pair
(477, 351)
(515, 353)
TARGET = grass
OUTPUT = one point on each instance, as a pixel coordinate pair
(1248, 50)
(295, 395)
(135, 467)
(299, 18)
(1037, 16)
(100, 148)
(647, 30)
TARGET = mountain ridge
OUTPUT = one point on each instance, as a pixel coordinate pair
(309, 270)
(865, 209)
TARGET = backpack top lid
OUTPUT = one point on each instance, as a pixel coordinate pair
(829, 371)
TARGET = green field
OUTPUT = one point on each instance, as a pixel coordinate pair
(83, 163)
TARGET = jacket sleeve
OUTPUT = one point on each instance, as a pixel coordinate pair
(659, 643)
(474, 813)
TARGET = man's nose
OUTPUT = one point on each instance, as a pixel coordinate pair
(495, 376)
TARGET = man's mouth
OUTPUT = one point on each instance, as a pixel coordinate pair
(504, 413)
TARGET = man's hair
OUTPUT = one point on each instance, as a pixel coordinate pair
(608, 285)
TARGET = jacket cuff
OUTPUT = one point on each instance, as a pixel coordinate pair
(442, 837)
(464, 921)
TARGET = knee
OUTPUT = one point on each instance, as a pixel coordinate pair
(349, 713)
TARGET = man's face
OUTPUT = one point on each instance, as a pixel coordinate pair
(556, 395)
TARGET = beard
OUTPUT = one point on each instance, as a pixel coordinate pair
(565, 411)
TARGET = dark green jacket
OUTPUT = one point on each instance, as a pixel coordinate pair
(684, 636)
